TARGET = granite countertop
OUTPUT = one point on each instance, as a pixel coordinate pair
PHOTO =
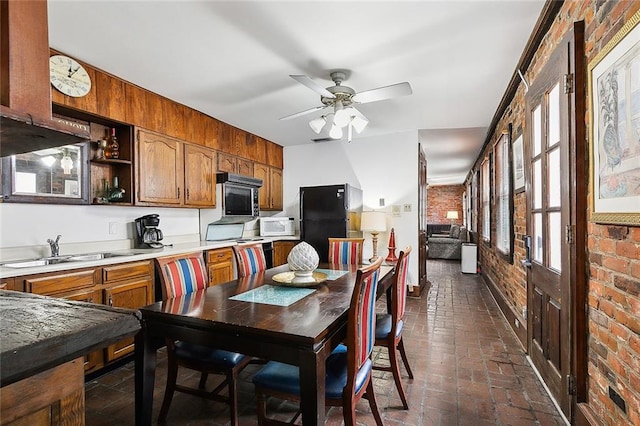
(131, 255)
(40, 332)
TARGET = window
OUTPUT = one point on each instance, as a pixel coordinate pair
(486, 199)
(503, 194)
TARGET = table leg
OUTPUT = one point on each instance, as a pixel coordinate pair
(145, 368)
(312, 383)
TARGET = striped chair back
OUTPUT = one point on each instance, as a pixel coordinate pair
(400, 283)
(182, 274)
(346, 251)
(362, 314)
(250, 259)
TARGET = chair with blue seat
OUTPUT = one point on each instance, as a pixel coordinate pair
(389, 326)
(348, 368)
(186, 276)
(249, 259)
(346, 251)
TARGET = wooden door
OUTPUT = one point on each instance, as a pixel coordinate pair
(275, 188)
(133, 295)
(160, 171)
(199, 176)
(550, 200)
(422, 219)
(281, 250)
(261, 171)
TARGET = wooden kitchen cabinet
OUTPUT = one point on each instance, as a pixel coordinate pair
(200, 176)
(220, 265)
(170, 172)
(232, 164)
(271, 191)
(9, 284)
(127, 285)
(281, 251)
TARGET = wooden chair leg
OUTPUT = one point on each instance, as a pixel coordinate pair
(371, 397)
(348, 410)
(232, 378)
(172, 376)
(405, 360)
(395, 369)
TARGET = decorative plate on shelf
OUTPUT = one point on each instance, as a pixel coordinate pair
(287, 279)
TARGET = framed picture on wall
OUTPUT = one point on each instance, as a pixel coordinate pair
(518, 165)
(614, 145)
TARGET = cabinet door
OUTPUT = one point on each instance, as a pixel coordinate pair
(220, 265)
(227, 163)
(160, 171)
(275, 186)
(8, 284)
(132, 295)
(281, 251)
(93, 360)
(261, 171)
(200, 176)
(245, 167)
(60, 284)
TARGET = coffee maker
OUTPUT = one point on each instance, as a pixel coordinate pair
(147, 233)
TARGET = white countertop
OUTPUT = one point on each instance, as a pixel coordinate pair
(132, 255)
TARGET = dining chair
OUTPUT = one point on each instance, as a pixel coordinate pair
(249, 259)
(348, 368)
(389, 325)
(346, 251)
(180, 276)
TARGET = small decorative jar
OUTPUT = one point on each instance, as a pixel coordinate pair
(302, 260)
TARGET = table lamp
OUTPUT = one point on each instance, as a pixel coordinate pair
(452, 215)
(374, 222)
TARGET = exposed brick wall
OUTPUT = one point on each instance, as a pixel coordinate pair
(613, 252)
(441, 199)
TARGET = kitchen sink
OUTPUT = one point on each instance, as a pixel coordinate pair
(35, 262)
(92, 256)
(30, 263)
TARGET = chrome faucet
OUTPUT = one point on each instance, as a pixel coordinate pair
(55, 248)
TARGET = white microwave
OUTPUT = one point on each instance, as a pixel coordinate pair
(276, 226)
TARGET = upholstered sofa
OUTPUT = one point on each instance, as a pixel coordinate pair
(448, 247)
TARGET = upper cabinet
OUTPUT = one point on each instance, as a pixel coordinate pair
(174, 173)
(232, 164)
(271, 191)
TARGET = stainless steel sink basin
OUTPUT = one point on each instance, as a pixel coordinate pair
(30, 263)
(92, 256)
(35, 262)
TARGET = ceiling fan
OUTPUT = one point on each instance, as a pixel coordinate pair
(341, 99)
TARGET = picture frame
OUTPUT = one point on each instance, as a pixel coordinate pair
(517, 150)
(614, 144)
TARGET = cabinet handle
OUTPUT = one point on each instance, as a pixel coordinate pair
(178, 192)
(110, 301)
(187, 193)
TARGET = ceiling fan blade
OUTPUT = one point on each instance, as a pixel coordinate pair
(303, 79)
(382, 93)
(301, 113)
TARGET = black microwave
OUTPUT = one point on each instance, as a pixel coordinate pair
(240, 195)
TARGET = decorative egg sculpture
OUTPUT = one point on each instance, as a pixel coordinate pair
(302, 260)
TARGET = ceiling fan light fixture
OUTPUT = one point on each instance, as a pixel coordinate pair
(335, 132)
(359, 123)
(318, 123)
(343, 117)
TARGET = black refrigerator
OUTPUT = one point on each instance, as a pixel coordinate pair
(329, 211)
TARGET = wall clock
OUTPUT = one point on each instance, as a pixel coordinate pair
(68, 76)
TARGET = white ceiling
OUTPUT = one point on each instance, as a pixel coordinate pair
(232, 60)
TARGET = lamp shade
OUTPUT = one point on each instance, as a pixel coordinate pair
(373, 221)
(317, 124)
(452, 214)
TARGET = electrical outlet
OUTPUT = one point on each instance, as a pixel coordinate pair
(113, 228)
(407, 208)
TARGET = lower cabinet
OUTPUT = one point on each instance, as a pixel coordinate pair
(220, 265)
(124, 285)
(281, 251)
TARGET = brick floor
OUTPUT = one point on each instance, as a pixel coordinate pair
(469, 369)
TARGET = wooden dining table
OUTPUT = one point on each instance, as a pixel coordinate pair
(258, 317)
